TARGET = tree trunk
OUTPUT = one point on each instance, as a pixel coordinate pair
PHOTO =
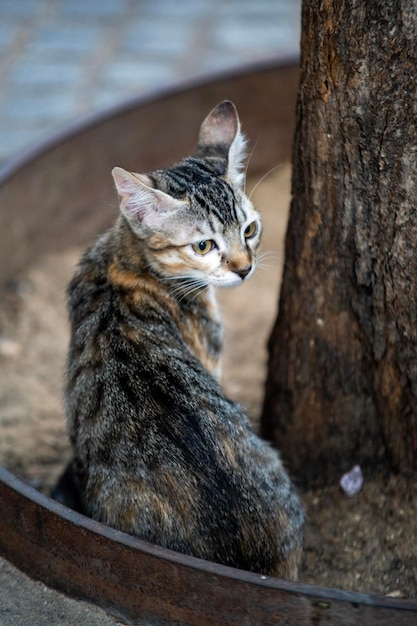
(342, 377)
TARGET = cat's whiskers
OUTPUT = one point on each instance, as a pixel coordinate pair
(268, 258)
(196, 290)
(268, 254)
(249, 160)
(273, 169)
(179, 290)
(269, 261)
(189, 285)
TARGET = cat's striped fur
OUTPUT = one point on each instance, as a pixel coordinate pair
(159, 451)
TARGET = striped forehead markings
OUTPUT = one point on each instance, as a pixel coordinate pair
(219, 199)
(214, 195)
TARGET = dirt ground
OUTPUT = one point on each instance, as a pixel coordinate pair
(365, 543)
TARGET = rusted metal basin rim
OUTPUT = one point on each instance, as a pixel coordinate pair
(139, 581)
(60, 195)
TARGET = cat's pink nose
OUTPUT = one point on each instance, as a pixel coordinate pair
(243, 273)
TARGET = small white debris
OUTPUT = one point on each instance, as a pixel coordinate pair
(352, 481)
(9, 348)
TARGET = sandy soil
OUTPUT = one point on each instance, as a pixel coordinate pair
(365, 543)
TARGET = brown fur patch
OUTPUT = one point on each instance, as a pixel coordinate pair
(288, 569)
(122, 278)
(229, 451)
(184, 501)
(191, 331)
(130, 333)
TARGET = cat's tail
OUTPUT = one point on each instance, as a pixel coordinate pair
(66, 490)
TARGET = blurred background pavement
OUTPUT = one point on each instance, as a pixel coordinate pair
(63, 59)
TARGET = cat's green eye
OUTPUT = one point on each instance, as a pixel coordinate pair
(251, 230)
(203, 247)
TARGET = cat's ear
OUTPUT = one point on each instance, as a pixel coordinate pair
(140, 203)
(221, 135)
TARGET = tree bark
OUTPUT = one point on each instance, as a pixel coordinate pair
(342, 376)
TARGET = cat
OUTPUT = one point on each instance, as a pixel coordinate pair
(159, 451)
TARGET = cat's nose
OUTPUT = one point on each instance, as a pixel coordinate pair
(244, 272)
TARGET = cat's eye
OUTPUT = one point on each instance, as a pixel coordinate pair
(251, 230)
(203, 247)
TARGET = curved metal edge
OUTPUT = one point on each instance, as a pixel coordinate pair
(94, 119)
(101, 531)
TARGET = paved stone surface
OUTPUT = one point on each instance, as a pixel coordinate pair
(63, 59)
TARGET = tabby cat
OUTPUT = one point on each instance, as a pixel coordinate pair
(159, 451)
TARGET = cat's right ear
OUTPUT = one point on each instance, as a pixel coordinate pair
(140, 203)
(221, 135)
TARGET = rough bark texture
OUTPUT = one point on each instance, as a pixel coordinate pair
(342, 382)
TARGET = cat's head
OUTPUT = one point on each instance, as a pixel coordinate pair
(195, 219)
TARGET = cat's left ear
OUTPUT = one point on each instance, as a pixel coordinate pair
(221, 135)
